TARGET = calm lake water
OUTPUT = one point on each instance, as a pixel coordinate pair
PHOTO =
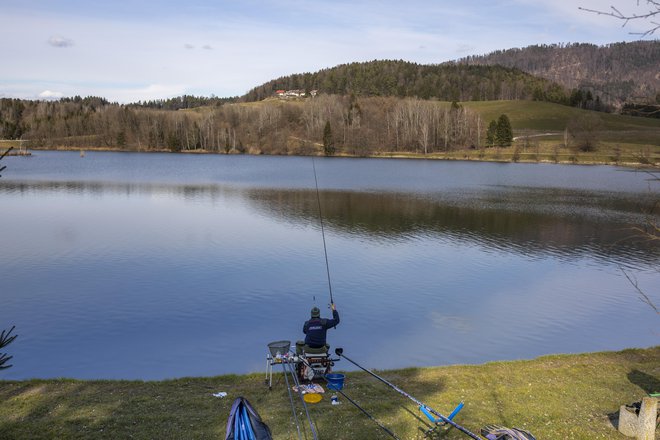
(152, 266)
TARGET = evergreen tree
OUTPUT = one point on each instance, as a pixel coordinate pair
(490, 133)
(328, 142)
(504, 132)
(121, 139)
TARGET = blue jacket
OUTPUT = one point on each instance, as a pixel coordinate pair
(316, 328)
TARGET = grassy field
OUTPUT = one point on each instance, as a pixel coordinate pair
(539, 128)
(536, 116)
(550, 150)
(554, 397)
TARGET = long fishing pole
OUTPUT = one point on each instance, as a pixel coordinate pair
(302, 399)
(340, 351)
(383, 427)
(293, 406)
(325, 249)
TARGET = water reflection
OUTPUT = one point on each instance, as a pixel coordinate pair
(530, 221)
(522, 220)
(114, 276)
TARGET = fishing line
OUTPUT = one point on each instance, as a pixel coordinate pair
(325, 250)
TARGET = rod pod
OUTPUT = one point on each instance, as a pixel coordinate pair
(340, 351)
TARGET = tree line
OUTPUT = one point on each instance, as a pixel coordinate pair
(445, 82)
(355, 125)
(616, 73)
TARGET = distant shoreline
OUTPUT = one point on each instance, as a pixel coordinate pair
(503, 155)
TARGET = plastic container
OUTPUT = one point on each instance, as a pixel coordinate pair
(335, 381)
(279, 347)
(312, 398)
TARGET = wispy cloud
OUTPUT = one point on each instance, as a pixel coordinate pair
(189, 46)
(60, 41)
(48, 94)
(147, 93)
(465, 49)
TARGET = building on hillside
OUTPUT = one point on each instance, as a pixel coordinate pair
(296, 93)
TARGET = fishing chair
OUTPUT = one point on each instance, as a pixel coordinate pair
(315, 362)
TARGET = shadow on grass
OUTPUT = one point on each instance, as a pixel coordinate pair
(650, 384)
(111, 409)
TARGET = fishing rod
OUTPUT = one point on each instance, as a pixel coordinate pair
(302, 399)
(293, 406)
(340, 351)
(325, 250)
(383, 427)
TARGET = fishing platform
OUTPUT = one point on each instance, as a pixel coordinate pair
(309, 364)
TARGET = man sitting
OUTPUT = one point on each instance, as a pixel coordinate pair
(315, 330)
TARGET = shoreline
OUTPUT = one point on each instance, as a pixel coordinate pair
(461, 155)
(553, 396)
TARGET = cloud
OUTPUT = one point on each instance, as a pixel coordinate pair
(465, 48)
(146, 93)
(48, 94)
(192, 46)
(60, 41)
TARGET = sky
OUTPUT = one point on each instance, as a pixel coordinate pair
(129, 51)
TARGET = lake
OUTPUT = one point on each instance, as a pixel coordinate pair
(153, 266)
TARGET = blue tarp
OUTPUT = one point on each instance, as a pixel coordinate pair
(244, 423)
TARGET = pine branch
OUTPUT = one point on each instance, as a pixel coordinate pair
(6, 339)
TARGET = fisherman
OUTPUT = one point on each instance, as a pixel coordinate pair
(315, 328)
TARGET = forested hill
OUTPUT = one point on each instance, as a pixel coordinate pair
(445, 82)
(618, 73)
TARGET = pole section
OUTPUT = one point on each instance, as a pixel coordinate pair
(339, 352)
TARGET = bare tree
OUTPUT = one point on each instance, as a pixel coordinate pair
(650, 232)
(651, 9)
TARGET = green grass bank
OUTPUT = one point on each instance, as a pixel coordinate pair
(554, 397)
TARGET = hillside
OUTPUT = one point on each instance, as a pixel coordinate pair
(447, 82)
(617, 73)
